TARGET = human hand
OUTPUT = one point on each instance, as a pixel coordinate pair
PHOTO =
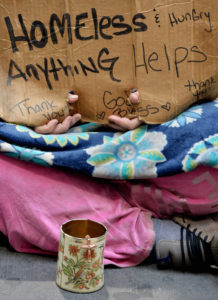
(124, 124)
(54, 127)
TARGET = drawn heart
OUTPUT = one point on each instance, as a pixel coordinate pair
(101, 115)
(167, 106)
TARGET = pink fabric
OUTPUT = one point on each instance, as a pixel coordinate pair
(35, 201)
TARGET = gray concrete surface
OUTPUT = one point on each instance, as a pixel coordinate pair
(32, 277)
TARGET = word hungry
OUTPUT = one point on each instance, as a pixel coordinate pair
(191, 16)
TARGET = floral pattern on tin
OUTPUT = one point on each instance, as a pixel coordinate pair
(79, 272)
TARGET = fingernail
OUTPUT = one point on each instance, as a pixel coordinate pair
(133, 91)
(71, 92)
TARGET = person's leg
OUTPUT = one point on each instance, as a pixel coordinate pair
(196, 244)
(191, 194)
(35, 201)
(190, 243)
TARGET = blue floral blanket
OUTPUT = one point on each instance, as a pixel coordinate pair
(149, 151)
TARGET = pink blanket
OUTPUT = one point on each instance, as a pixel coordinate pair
(35, 201)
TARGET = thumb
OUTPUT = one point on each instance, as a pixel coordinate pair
(72, 98)
(134, 97)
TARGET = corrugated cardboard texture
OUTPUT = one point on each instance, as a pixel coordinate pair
(167, 49)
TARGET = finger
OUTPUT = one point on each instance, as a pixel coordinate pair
(64, 126)
(134, 123)
(48, 128)
(125, 123)
(72, 98)
(68, 122)
(118, 122)
(75, 118)
(134, 97)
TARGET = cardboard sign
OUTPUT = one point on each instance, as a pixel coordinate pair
(166, 49)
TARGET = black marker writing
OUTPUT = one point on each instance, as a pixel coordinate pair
(157, 18)
(110, 102)
(56, 69)
(153, 61)
(200, 88)
(121, 107)
(191, 16)
(24, 108)
(72, 27)
(202, 84)
(54, 115)
(54, 20)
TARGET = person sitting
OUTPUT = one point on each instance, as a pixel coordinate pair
(179, 241)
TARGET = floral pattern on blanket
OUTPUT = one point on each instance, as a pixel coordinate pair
(179, 145)
(189, 116)
(61, 139)
(30, 155)
(204, 152)
(128, 156)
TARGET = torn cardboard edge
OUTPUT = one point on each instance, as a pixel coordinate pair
(167, 51)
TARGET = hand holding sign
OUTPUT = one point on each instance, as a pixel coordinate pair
(168, 52)
(54, 127)
(122, 124)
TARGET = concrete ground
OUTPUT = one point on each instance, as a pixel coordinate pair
(32, 277)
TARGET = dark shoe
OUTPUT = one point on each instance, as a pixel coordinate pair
(196, 248)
